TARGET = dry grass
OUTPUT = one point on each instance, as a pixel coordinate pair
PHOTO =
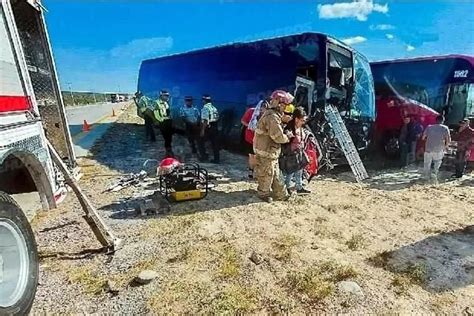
(124, 278)
(283, 246)
(180, 297)
(416, 273)
(381, 259)
(442, 302)
(318, 282)
(235, 299)
(41, 217)
(413, 274)
(335, 272)
(356, 242)
(401, 284)
(90, 280)
(430, 230)
(229, 262)
(310, 284)
(171, 225)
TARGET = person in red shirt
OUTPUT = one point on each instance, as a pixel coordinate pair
(248, 121)
(465, 139)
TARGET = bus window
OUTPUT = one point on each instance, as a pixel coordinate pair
(363, 101)
(470, 101)
(460, 103)
(339, 72)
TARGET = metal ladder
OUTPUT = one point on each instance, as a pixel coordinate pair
(345, 141)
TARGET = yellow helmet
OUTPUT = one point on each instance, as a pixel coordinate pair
(289, 109)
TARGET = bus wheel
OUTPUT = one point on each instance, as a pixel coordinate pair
(18, 259)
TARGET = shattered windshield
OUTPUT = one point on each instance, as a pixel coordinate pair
(363, 101)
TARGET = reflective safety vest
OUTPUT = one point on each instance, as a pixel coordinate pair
(145, 107)
(161, 111)
(145, 103)
(209, 113)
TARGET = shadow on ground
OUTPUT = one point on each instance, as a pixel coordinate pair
(395, 179)
(216, 200)
(442, 262)
(124, 148)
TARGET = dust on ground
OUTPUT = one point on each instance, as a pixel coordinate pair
(407, 246)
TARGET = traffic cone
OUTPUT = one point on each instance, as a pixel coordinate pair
(85, 126)
(113, 112)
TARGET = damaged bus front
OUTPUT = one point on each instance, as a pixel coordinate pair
(238, 75)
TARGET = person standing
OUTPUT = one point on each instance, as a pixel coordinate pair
(409, 135)
(145, 108)
(249, 121)
(191, 117)
(209, 130)
(437, 138)
(162, 115)
(465, 140)
(293, 159)
(269, 136)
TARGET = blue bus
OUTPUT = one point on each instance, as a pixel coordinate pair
(238, 75)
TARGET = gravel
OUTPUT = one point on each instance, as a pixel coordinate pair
(199, 244)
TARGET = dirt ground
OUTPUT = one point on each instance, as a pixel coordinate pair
(407, 246)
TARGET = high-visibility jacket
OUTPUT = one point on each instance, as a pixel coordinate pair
(145, 106)
(161, 111)
(209, 113)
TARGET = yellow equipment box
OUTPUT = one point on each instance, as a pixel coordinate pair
(186, 195)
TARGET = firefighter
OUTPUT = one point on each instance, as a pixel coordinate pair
(162, 116)
(145, 108)
(191, 118)
(209, 131)
(269, 136)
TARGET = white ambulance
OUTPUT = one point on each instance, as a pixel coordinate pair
(31, 112)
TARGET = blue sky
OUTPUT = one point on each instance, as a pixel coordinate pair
(98, 45)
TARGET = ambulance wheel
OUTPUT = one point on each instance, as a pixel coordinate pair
(18, 259)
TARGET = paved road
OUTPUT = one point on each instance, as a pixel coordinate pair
(98, 116)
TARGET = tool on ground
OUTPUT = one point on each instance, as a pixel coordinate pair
(93, 219)
(182, 182)
(129, 180)
(345, 142)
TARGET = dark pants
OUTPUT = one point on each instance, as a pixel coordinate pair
(461, 162)
(149, 129)
(166, 128)
(192, 133)
(211, 134)
(407, 153)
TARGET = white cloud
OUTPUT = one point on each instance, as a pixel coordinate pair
(389, 36)
(354, 40)
(409, 48)
(382, 27)
(359, 9)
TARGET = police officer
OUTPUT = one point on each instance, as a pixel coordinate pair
(162, 115)
(191, 118)
(209, 131)
(145, 108)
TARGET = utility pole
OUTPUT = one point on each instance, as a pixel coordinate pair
(93, 94)
(70, 91)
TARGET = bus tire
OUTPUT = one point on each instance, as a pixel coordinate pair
(17, 296)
